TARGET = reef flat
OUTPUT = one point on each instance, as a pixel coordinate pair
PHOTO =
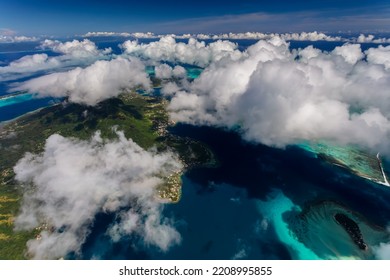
(354, 159)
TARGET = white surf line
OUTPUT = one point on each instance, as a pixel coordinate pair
(385, 182)
(14, 94)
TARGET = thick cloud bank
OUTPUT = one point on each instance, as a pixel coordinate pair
(274, 95)
(277, 97)
(90, 85)
(73, 180)
(303, 36)
(75, 48)
(193, 52)
(106, 34)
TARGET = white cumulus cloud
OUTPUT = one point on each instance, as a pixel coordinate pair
(380, 55)
(90, 85)
(148, 35)
(164, 71)
(74, 48)
(371, 39)
(28, 64)
(279, 97)
(193, 52)
(73, 180)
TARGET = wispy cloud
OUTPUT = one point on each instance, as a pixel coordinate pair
(7, 32)
(10, 36)
(106, 34)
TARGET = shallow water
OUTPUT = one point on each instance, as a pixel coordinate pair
(273, 209)
(15, 99)
(317, 228)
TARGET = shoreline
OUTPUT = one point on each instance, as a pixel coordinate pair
(3, 123)
(9, 95)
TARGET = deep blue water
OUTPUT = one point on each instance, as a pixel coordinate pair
(215, 222)
(258, 169)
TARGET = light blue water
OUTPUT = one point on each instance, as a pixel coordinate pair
(15, 99)
(273, 209)
(192, 71)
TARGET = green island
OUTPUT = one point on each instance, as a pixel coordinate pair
(142, 118)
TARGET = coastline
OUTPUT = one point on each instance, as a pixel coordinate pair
(385, 182)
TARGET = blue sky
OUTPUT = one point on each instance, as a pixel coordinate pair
(45, 17)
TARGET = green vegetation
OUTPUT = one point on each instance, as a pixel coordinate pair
(12, 244)
(142, 118)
